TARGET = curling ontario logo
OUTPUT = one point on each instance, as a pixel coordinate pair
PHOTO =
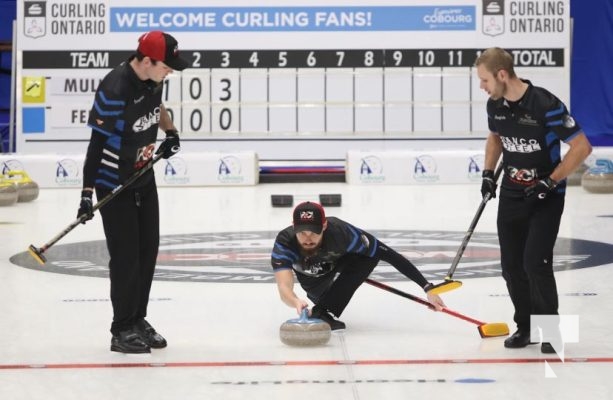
(34, 18)
(244, 257)
(493, 17)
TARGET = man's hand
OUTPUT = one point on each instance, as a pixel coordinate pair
(169, 146)
(86, 206)
(434, 299)
(488, 184)
(540, 189)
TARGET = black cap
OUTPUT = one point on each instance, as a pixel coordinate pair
(309, 216)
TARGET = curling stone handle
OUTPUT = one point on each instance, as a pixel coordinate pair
(304, 315)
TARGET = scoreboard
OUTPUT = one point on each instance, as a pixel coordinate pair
(290, 82)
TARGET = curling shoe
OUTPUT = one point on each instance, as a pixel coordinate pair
(129, 342)
(149, 335)
(518, 340)
(335, 324)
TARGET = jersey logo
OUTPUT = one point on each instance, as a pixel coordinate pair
(520, 145)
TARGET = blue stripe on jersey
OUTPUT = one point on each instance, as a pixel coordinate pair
(356, 239)
(102, 131)
(554, 123)
(111, 102)
(554, 146)
(374, 248)
(106, 183)
(114, 141)
(551, 113)
(120, 124)
(108, 173)
(550, 137)
(554, 153)
(106, 113)
(283, 253)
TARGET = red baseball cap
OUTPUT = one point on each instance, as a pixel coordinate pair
(160, 46)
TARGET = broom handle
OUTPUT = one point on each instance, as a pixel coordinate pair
(421, 301)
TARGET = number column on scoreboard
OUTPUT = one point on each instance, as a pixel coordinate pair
(329, 92)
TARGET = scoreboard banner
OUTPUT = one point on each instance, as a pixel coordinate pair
(288, 82)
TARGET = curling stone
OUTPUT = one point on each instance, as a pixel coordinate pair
(304, 331)
(599, 179)
(27, 189)
(8, 192)
(574, 179)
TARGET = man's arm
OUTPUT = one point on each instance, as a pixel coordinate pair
(493, 149)
(165, 120)
(580, 148)
(285, 285)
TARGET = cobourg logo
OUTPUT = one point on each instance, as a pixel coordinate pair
(371, 170)
(67, 173)
(229, 170)
(244, 257)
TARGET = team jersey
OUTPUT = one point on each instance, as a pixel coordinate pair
(340, 238)
(124, 120)
(530, 131)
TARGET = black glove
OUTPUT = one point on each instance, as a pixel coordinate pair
(540, 189)
(86, 206)
(488, 185)
(171, 145)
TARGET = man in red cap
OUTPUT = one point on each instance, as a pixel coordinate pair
(331, 259)
(125, 119)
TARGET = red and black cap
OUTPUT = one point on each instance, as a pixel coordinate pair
(309, 216)
(161, 46)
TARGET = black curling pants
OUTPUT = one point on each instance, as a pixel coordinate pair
(527, 231)
(333, 293)
(131, 227)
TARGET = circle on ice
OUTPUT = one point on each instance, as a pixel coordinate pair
(244, 257)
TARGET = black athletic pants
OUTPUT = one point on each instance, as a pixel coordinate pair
(333, 293)
(527, 231)
(131, 226)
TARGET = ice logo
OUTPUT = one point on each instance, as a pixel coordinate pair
(229, 170)
(425, 169)
(371, 170)
(67, 173)
(175, 171)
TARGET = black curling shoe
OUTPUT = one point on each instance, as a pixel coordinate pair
(129, 342)
(518, 340)
(149, 335)
(325, 316)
